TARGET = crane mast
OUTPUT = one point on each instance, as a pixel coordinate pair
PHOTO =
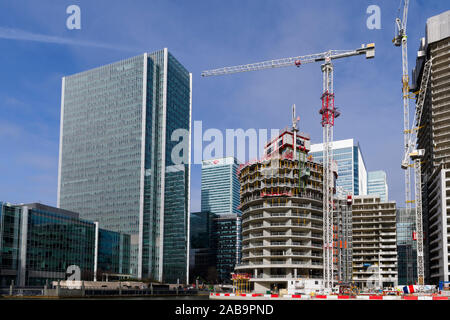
(329, 113)
(401, 40)
(416, 156)
(409, 139)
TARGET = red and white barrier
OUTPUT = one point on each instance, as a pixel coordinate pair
(326, 297)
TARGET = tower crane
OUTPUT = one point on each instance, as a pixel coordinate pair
(416, 155)
(409, 138)
(400, 39)
(329, 113)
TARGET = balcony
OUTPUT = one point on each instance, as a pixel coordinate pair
(278, 243)
(388, 247)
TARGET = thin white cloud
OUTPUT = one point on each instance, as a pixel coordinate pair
(17, 34)
(8, 131)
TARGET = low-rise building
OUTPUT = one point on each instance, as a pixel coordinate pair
(40, 244)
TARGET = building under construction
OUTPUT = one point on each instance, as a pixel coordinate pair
(433, 137)
(374, 242)
(329, 112)
(281, 201)
(282, 221)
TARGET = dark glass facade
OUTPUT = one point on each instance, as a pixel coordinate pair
(54, 242)
(9, 243)
(39, 243)
(116, 166)
(406, 247)
(229, 245)
(216, 244)
(113, 253)
(203, 249)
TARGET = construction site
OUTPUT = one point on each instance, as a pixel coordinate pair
(303, 240)
(281, 201)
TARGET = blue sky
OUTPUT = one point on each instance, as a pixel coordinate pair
(37, 50)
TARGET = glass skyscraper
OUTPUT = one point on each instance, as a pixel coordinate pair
(220, 186)
(118, 132)
(352, 173)
(377, 184)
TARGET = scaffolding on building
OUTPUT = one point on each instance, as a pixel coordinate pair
(241, 282)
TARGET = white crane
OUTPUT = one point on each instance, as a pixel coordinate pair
(400, 39)
(409, 138)
(329, 113)
(416, 156)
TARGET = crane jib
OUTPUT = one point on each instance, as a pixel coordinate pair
(329, 113)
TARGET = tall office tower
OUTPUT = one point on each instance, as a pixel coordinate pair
(282, 220)
(374, 242)
(118, 163)
(220, 186)
(228, 240)
(352, 174)
(406, 246)
(377, 184)
(433, 137)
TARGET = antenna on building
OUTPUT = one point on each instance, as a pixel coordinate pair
(295, 119)
(294, 131)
